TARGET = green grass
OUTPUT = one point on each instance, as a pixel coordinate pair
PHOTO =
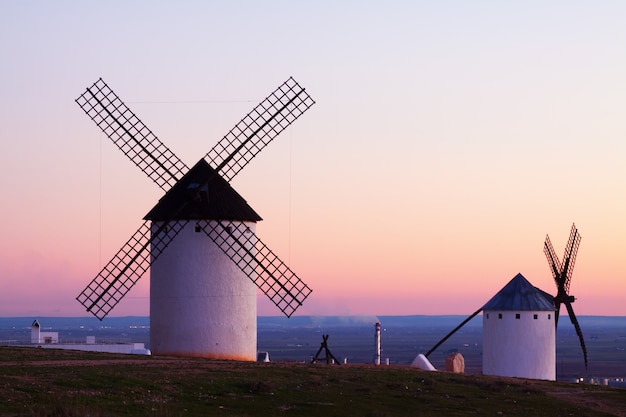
(45, 382)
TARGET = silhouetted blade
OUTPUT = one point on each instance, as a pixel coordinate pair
(127, 266)
(553, 261)
(569, 258)
(557, 305)
(463, 323)
(258, 128)
(579, 332)
(125, 129)
(259, 263)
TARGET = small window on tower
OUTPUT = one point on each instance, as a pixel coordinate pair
(535, 316)
(487, 315)
(517, 316)
(549, 316)
(198, 228)
(499, 315)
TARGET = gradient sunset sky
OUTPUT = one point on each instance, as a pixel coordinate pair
(448, 138)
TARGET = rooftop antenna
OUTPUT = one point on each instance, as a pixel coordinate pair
(562, 274)
(197, 200)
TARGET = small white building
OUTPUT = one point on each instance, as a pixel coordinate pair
(519, 332)
(51, 340)
(39, 337)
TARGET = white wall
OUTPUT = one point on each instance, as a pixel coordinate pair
(201, 304)
(39, 337)
(126, 348)
(524, 347)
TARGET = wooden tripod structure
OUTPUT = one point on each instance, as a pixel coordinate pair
(324, 346)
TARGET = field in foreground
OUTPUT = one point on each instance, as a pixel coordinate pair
(47, 382)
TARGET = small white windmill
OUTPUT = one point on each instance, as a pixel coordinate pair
(519, 322)
(519, 336)
(202, 290)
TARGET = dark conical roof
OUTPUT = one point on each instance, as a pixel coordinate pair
(521, 295)
(202, 194)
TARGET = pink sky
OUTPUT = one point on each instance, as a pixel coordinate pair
(446, 142)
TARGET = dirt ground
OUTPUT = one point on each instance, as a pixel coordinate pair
(601, 402)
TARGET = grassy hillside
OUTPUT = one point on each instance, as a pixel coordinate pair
(46, 382)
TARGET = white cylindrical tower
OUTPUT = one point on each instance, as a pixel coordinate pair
(519, 343)
(377, 343)
(519, 334)
(201, 303)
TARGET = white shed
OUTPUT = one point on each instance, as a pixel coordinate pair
(38, 337)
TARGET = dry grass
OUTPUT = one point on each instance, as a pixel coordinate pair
(45, 382)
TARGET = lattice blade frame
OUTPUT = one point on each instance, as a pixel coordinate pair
(127, 266)
(557, 312)
(579, 332)
(130, 135)
(258, 128)
(569, 258)
(259, 263)
(553, 261)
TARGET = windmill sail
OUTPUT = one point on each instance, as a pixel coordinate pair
(553, 260)
(569, 258)
(579, 332)
(562, 273)
(127, 266)
(281, 285)
(229, 156)
(130, 135)
(270, 117)
(555, 268)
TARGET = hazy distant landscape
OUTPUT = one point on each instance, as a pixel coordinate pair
(352, 338)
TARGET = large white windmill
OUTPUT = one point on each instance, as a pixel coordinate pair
(203, 287)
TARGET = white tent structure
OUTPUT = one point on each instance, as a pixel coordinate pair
(422, 363)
